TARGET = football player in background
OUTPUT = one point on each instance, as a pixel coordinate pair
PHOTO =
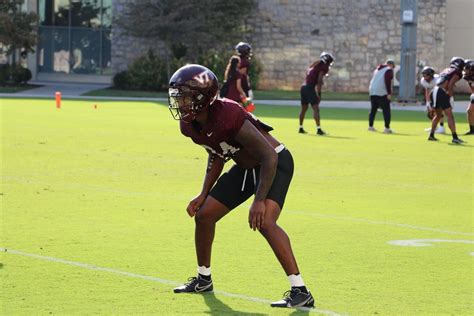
(233, 84)
(469, 77)
(263, 168)
(442, 97)
(428, 82)
(380, 91)
(244, 51)
(311, 90)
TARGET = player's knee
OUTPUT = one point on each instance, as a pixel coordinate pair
(268, 228)
(201, 218)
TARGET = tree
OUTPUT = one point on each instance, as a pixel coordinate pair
(188, 28)
(17, 29)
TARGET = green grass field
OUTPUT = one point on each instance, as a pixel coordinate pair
(93, 216)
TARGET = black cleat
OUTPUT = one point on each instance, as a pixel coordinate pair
(295, 298)
(302, 131)
(320, 132)
(195, 285)
(470, 133)
(457, 141)
(432, 138)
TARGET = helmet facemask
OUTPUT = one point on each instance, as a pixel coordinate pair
(185, 103)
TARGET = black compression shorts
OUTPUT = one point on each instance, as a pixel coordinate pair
(236, 185)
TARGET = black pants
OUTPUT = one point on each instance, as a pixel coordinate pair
(382, 102)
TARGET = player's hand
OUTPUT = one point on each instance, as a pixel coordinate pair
(250, 94)
(195, 204)
(389, 97)
(257, 215)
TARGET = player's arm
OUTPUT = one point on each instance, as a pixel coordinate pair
(451, 84)
(215, 164)
(252, 140)
(427, 96)
(320, 83)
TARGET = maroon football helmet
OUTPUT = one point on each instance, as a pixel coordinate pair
(457, 63)
(192, 88)
(469, 70)
(326, 58)
(244, 49)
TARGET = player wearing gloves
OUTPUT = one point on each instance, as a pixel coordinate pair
(428, 82)
(442, 100)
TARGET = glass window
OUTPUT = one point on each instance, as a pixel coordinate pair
(74, 36)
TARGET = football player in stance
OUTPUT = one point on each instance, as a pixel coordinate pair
(380, 91)
(469, 77)
(442, 100)
(428, 82)
(244, 51)
(310, 90)
(263, 168)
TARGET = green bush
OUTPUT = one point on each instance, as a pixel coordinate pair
(148, 73)
(121, 80)
(4, 74)
(20, 75)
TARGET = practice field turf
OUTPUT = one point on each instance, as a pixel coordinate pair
(93, 216)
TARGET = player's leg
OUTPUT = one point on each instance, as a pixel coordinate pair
(317, 117)
(224, 196)
(434, 123)
(279, 240)
(387, 115)
(373, 111)
(304, 108)
(470, 116)
(452, 124)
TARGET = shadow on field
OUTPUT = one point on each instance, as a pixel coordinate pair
(218, 308)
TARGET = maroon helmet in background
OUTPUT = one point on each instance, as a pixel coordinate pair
(192, 88)
(469, 70)
(244, 49)
(326, 58)
(428, 71)
(457, 63)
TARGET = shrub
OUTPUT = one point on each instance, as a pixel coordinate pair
(148, 73)
(4, 74)
(20, 75)
(121, 80)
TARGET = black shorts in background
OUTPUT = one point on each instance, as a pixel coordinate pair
(309, 95)
(228, 189)
(439, 99)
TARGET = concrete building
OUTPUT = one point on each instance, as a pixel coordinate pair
(80, 43)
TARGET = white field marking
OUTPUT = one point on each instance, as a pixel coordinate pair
(426, 242)
(151, 278)
(368, 221)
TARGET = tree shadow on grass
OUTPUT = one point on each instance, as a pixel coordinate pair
(217, 307)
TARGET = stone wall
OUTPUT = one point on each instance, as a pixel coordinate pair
(288, 35)
(125, 48)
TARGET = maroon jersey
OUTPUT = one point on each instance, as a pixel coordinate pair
(447, 74)
(233, 93)
(224, 121)
(312, 74)
(244, 63)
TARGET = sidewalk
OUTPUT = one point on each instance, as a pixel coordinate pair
(75, 91)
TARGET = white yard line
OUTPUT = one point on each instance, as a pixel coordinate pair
(150, 278)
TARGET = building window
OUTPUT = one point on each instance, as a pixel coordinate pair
(74, 36)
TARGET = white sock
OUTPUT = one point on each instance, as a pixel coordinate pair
(301, 126)
(202, 270)
(319, 127)
(296, 280)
